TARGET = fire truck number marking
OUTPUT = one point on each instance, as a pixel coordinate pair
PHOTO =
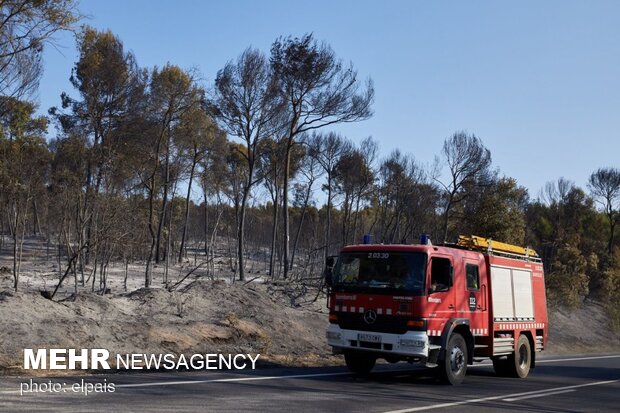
(379, 255)
(472, 302)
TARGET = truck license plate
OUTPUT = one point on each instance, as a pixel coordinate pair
(370, 338)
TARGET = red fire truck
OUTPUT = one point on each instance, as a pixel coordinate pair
(440, 305)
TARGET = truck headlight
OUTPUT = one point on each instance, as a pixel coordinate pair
(334, 335)
(407, 342)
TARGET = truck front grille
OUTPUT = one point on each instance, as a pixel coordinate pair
(383, 324)
(376, 346)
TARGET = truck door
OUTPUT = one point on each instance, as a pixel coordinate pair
(474, 292)
(440, 299)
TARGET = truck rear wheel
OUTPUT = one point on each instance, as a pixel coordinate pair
(520, 362)
(517, 364)
(454, 366)
(358, 362)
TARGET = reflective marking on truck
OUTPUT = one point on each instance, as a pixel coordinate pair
(475, 331)
(361, 310)
(521, 326)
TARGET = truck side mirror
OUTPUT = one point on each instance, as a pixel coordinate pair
(329, 270)
(328, 276)
(330, 261)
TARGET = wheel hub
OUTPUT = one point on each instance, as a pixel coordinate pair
(456, 359)
(522, 356)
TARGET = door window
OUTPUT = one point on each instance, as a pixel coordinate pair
(473, 277)
(441, 274)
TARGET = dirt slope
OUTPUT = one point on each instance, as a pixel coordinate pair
(204, 317)
(581, 330)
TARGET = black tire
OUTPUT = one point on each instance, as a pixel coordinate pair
(358, 362)
(519, 363)
(453, 368)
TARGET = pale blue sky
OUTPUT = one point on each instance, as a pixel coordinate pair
(538, 82)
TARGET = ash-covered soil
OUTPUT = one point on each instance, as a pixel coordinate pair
(203, 317)
(207, 313)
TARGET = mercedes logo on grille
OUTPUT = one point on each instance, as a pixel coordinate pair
(370, 317)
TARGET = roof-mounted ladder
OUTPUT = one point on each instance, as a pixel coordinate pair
(490, 247)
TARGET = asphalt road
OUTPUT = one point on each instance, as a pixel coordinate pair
(585, 383)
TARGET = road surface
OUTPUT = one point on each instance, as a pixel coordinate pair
(585, 383)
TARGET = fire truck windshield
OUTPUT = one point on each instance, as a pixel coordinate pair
(381, 270)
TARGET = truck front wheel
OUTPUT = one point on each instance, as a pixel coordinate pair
(359, 362)
(454, 366)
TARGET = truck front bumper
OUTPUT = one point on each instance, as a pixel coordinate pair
(414, 344)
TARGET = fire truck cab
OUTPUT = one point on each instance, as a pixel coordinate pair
(439, 305)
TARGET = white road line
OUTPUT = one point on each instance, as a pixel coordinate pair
(504, 396)
(299, 376)
(236, 379)
(615, 356)
(560, 360)
(532, 396)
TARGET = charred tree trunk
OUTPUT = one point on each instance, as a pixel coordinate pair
(206, 224)
(274, 235)
(301, 220)
(36, 227)
(287, 170)
(14, 220)
(164, 206)
(187, 200)
(328, 225)
(241, 236)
